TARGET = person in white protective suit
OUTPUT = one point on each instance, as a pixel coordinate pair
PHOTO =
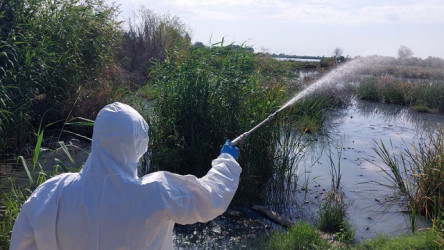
(106, 206)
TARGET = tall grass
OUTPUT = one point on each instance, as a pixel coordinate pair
(332, 216)
(431, 68)
(289, 153)
(205, 98)
(304, 236)
(48, 49)
(426, 96)
(428, 239)
(210, 94)
(17, 195)
(299, 124)
(12, 200)
(411, 82)
(300, 236)
(418, 174)
(310, 115)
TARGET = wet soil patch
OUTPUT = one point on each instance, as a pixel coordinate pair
(237, 228)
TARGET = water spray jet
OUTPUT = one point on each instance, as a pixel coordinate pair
(331, 77)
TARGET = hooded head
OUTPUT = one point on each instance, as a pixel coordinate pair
(120, 138)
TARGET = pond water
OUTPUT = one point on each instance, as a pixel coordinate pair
(298, 59)
(352, 133)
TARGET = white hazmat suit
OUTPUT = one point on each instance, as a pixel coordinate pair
(106, 206)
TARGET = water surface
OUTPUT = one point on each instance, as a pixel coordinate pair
(350, 141)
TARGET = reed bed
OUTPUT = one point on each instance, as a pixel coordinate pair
(413, 82)
(205, 97)
(47, 57)
(424, 96)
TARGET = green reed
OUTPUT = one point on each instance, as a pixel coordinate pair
(417, 83)
(210, 94)
(204, 98)
(418, 174)
(332, 216)
(48, 50)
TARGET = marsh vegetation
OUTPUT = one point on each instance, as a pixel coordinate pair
(62, 61)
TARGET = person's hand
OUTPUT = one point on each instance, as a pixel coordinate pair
(227, 148)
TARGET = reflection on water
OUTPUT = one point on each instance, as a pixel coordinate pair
(10, 168)
(422, 122)
(353, 132)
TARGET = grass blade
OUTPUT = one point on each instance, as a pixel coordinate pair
(65, 149)
(25, 165)
(37, 148)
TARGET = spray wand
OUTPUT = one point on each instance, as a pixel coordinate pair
(300, 95)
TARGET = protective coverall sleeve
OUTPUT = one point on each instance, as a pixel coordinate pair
(23, 237)
(193, 199)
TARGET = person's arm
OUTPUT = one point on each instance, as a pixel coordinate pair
(34, 227)
(192, 200)
(22, 233)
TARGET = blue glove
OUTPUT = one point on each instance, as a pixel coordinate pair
(227, 148)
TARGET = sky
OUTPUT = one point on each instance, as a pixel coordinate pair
(309, 27)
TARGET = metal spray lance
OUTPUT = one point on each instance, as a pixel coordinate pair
(242, 137)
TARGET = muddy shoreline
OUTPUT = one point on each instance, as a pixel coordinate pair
(237, 228)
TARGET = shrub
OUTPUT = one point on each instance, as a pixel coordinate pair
(149, 38)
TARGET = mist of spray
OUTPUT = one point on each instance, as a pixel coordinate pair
(335, 77)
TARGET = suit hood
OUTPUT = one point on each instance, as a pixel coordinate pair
(120, 138)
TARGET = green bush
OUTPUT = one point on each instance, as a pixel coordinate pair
(48, 49)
